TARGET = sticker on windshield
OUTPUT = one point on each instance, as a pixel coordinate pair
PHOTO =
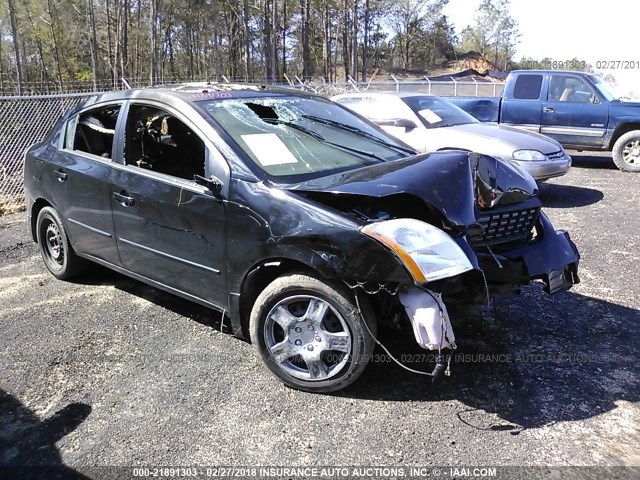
(269, 149)
(429, 116)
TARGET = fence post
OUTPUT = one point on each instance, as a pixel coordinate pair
(455, 87)
(353, 83)
(397, 83)
(476, 82)
(429, 82)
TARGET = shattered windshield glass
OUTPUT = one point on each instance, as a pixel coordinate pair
(302, 137)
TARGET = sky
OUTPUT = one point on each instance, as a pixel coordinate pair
(564, 29)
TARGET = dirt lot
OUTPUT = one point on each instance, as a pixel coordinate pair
(108, 371)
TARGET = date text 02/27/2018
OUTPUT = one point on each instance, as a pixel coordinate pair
(618, 64)
(579, 64)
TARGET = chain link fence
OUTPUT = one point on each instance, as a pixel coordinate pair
(25, 120)
(445, 88)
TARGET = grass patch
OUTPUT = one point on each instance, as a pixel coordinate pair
(11, 205)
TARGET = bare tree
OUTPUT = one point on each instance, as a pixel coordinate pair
(153, 39)
(16, 46)
(305, 10)
(365, 44)
(91, 23)
(247, 43)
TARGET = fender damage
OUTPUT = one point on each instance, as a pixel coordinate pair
(490, 209)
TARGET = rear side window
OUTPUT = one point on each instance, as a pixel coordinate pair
(93, 131)
(527, 87)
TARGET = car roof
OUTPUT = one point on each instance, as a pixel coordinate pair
(192, 92)
(386, 94)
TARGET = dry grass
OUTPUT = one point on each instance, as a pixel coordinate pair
(11, 205)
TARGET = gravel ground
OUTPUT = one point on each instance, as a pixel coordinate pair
(108, 371)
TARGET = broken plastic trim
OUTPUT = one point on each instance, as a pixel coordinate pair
(443, 362)
(429, 318)
(355, 294)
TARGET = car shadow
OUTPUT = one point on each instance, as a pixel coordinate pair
(99, 275)
(590, 160)
(531, 360)
(28, 445)
(567, 196)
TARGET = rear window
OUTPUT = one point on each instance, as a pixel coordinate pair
(527, 87)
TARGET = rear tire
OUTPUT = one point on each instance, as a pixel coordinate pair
(55, 248)
(310, 333)
(626, 152)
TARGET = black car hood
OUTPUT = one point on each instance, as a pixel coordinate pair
(455, 183)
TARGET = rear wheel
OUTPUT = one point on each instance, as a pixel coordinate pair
(310, 333)
(56, 251)
(626, 152)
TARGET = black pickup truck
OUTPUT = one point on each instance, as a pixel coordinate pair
(577, 109)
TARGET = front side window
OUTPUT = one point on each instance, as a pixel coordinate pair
(527, 87)
(93, 131)
(158, 141)
(291, 138)
(565, 88)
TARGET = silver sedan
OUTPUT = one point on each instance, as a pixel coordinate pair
(429, 123)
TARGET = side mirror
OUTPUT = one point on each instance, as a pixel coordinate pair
(213, 184)
(405, 123)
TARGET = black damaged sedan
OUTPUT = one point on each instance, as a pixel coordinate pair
(303, 223)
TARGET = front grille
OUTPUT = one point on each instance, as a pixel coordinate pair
(555, 155)
(505, 226)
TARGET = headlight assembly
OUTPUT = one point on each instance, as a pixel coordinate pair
(530, 155)
(426, 251)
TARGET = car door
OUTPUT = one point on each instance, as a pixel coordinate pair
(81, 174)
(573, 112)
(520, 106)
(168, 228)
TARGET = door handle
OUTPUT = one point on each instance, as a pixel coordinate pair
(548, 110)
(124, 199)
(61, 175)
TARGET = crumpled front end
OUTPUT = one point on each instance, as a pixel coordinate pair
(464, 226)
(539, 252)
(490, 209)
(512, 240)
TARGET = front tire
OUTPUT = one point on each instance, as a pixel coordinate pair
(626, 152)
(55, 248)
(310, 333)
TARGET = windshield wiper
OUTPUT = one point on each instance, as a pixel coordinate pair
(320, 138)
(358, 131)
